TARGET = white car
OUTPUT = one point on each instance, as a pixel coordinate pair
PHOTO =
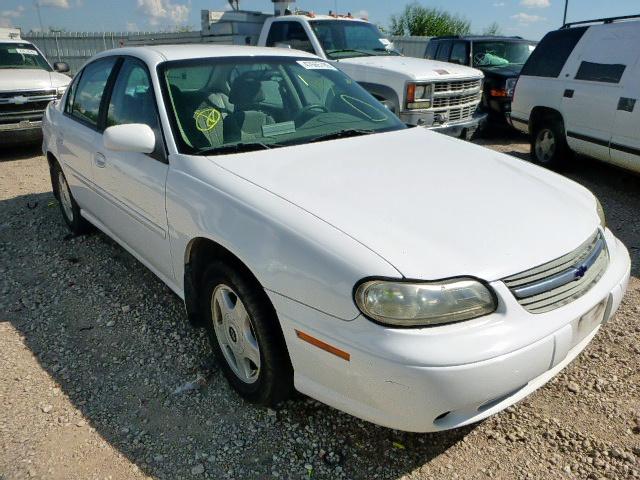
(28, 82)
(580, 91)
(290, 211)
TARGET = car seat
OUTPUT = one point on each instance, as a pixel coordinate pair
(247, 120)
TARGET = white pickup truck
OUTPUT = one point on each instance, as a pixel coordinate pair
(437, 95)
(28, 82)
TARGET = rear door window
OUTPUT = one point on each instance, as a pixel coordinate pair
(88, 95)
(600, 72)
(460, 53)
(432, 48)
(549, 58)
(444, 51)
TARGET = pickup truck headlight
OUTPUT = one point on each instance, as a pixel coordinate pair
(603, 219)
(419, 95)
(412, 304)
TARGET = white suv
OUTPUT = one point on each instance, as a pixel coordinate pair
(325, 245)
(580, 90)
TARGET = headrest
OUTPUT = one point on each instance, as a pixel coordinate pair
(246, 90)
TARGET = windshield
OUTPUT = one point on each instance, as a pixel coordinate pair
(348, 38)
(229, 104)
(21, 55)
(500, 54)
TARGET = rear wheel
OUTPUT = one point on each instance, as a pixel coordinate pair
(245, 335)
(549, 144)
(68, 205)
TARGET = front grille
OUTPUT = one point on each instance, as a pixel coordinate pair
(441, 102)
(456, 86)
(458, 114)
(18, 106)
(27, 93)
(561, 281)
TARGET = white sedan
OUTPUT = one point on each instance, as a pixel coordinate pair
(405, 277)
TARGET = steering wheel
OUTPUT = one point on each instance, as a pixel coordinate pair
(311, 108)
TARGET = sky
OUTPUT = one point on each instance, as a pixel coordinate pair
(527, 18)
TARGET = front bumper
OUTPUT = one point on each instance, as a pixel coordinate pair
(22, 132)
(464, 129)
(432, 379)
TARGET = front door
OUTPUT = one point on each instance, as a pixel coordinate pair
(625, 141)
(132, 185)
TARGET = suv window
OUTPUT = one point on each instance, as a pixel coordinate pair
(88, 95)
(460, 53)
(291, 33)
(432, 48)
(444, 51)
(600, 72)
(549, 58)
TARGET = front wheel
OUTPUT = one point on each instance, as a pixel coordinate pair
(245, 335)
(549, 145)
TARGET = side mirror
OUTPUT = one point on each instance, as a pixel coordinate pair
(61, 67)
(132, 137)
(282, 45)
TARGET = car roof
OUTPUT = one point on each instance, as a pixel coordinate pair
(309, 18)
(155, 54)
(474, 38)
(14, 40)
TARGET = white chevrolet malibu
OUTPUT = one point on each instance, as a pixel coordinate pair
(410, 279)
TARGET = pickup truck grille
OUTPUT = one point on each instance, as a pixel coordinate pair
(30, 105)
(561, 281)
(456, 101)
(456, 86)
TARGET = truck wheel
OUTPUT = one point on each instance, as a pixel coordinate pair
(245, 335)
(549, 144)
(68, 206)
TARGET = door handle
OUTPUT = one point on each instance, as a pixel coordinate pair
(568, 93)
(626, 104)
(100, 160)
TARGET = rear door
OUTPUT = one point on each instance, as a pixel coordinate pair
(132, 185)
(593, 88)
(625, 139)
(78, 130)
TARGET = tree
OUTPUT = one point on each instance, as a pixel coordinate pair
(493, 29)
(431, 22)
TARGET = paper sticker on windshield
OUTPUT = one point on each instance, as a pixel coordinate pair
(275, 129)
(25, 51)
(315, 65)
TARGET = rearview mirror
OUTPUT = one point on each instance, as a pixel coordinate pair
(61, 67)
(132, 137)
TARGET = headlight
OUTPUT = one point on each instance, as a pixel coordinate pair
(603, 220)
(419, 95)
(413, 304)
(510, 86)
(61, 91)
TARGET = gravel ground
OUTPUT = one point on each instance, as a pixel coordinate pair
(93, 348)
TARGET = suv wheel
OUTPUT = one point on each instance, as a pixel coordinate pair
(245, 335)
(549, 145)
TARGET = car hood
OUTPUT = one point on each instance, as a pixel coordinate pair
(413, 68)
(432, 206)
(508, 71)
(30, 79)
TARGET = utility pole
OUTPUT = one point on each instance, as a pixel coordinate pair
(566, 7)
(37, 4)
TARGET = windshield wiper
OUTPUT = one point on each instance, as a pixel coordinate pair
(347, 50)
(238, 148)
(351, 132)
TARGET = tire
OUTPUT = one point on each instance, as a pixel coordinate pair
(68, 205)
(549, 144)
(245, 335)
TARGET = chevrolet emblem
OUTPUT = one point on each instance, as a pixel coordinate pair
(19, 100)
